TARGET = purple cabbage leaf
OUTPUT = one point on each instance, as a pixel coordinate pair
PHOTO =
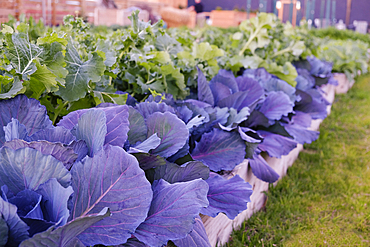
(4, 231)
(219, 91)
(252, 140)
(148, 161)
(28, 112)
(320, 70)
(29, 210)
(257, 118)
(65, 236)
(298, 126)
(204, 91)
(133, 242)
(55, 134)
(54, 201)
(80, 148)
(17, 230)
(220, 150)
(138, 129)
(276, 145)
(27, 168)
(251, 137)
(262, 170)
(172, 211)
(151, 143)
(15, 130)
(113, 179)
(174, 173)
(37, 184)
(148, 108)
(170, 129)
(228, 196)
(270, 83)
(305, 80)
(62, 153)
(250, 85)
(276, 105)
(184, 151)
(43, 208)
(236, 118)
(197, 237)
(92, 129)
(117, 123)
(313, 103)
(237, 100)
(227, 78)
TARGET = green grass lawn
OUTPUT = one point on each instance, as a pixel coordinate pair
(325, 198)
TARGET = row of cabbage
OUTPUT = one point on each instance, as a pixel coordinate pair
(123, 138)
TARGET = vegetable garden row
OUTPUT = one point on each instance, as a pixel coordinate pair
(126, 137)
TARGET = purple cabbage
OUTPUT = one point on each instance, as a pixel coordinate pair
(44, 203)
(320, 70)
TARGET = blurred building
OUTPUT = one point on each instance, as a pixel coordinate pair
(334, 10)
(53, 11)
(321, 12)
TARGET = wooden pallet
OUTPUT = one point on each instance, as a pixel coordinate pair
(52, 14)
(178, 17)
(4, 13)
(7, 8)
(154, 5)
(228, 18)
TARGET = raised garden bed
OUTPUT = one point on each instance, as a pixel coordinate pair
(219, 228)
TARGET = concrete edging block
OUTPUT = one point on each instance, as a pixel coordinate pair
(344, 83)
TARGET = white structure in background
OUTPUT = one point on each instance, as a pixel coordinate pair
(317, 23)
(325, 23)
(309, 23)
(361, 26)
(340, 25)
(109, 17)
